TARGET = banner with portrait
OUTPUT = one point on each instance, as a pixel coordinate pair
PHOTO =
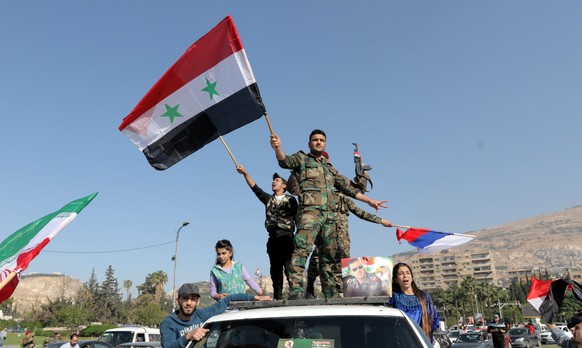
(367, 276)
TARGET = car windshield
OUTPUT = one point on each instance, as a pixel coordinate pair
(346, 331)
(470, 337)
(518, 331)
(454, 334)
(117, 337)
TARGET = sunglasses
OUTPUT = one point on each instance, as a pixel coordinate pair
(357, 268)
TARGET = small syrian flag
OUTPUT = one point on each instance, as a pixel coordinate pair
(209, 92)
(258, 272)
(24, 245)
(538, 291)
(552, 302)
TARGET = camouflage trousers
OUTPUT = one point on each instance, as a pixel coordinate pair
(343, 252)
(314, 226)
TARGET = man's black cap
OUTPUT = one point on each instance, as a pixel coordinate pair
(188, 289)
(275, 176)
(574, 321)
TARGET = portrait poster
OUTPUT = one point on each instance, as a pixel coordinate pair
(367, 276)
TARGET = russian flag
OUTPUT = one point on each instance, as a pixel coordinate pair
(428, 240)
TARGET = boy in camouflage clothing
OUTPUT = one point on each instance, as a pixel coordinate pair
(317, 180)
(280, 213)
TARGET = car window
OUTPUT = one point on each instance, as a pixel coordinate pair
(100, 345)
(155, 337)
(477, 337)
(336, 332)
(518, 331)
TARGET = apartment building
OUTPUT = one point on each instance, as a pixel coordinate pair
(443, 269)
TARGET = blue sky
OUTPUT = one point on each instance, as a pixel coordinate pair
(469, 112)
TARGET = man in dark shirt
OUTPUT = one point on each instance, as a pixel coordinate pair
(497, 331)
(280, 211)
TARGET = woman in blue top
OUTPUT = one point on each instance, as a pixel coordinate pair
(416, 303)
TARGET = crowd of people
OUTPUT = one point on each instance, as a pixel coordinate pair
(314, 224)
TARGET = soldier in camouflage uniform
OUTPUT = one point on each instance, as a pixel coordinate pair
(317, 180)
(280, 213)
(343, 208)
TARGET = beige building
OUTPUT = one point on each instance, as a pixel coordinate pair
(443, 269)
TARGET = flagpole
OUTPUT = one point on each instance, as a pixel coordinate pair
(8, 279)
(227, 149)
(400, 226)
(269, 123)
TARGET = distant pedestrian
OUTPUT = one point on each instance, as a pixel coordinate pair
(497, 330)
(73, 342)
(3, 336)
(27, 340)
(56, 338)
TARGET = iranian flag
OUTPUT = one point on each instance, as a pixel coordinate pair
(210, 91)
(22, 246)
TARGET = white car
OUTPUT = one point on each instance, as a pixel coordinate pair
(546, 336)
(314, 323)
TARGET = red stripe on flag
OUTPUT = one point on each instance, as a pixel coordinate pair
(413, 234)
(205, 53)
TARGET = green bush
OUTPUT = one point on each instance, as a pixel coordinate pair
(96, 330)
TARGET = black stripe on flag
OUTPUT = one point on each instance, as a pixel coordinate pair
(222, 118)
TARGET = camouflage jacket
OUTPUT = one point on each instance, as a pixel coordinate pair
(347, 205)
(317, 179)
(278, 214)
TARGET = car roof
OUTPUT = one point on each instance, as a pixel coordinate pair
(134, 328)
(308, 311)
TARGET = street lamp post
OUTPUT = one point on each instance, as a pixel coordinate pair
(175, 259)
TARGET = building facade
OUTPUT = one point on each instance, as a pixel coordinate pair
(444, 269)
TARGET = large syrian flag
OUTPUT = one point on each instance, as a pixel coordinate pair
(22, 246)
(210, 91)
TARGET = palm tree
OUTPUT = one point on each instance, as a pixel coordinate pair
(159, 279)
(127, 286)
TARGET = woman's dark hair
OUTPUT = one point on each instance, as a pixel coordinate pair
(426, 321)
(224, 244)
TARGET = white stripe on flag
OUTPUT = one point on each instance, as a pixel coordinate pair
(231, 75)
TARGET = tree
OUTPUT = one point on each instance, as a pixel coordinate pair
(109, 298)
(127, 284)
(154, 285)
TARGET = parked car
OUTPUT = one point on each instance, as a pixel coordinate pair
(82, 344)
(345, 322)
(471, 340)
(153, 344)
(546, 337)
(442, 338)
(453, 335)
(127, 334)
(522, 338)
